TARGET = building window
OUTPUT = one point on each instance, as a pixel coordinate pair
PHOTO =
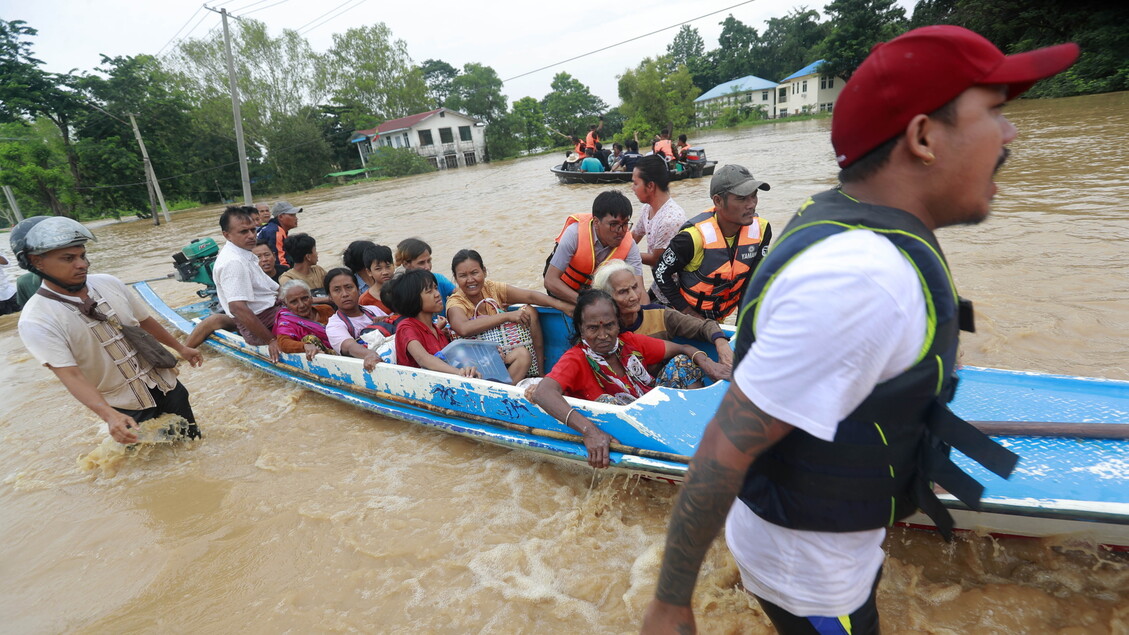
(830, 107)
(451, 159)
(822, 83)
(805, 88)
(783, 96)
(764, 96)
(445, 136)
(469, 159)
(830, 83)
(407, 144)
(464, 134)
(425, 138)
(434, 162)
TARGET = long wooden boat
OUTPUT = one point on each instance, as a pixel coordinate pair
(572, 176)
(1072, 479)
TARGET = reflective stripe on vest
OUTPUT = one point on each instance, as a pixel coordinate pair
(714, 289)
(578, 274)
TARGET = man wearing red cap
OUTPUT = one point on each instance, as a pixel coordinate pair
(836, 422)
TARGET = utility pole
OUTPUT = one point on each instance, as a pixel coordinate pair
(247, 200)
(150, 177)
(12, 203)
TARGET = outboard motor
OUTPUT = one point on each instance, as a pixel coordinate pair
(194, 263)
(695, 161)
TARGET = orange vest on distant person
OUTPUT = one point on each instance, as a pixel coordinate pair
(714, 290)
(591, 139)
(580, 148)
(578, 274)
(662, 146)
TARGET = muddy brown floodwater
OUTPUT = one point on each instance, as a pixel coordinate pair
(301, 514)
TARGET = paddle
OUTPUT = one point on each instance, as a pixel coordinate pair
(1053, 429)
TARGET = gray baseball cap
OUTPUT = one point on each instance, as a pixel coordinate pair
(735, 179)
(282, 207)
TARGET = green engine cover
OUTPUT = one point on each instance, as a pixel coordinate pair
(200, 248)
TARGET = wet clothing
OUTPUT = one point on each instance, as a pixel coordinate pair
(292, 329)
(59, 335)
(411, 329)
(578, 379)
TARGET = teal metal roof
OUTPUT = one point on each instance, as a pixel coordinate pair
(745, 84)
(810, 69)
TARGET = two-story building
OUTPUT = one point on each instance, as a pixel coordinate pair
(806, 91)
(749, 92)
(447, 138)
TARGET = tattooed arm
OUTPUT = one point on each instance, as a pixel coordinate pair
(738, 433)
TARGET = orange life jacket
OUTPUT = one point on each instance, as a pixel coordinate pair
(580, 148)
(578, 274)
(591, 140)
(714, 290)
(662, 146)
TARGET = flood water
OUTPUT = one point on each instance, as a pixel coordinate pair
(301, 514)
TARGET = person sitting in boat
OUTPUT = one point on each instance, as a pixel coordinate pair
(590, 162)
(617, 279)
(245, 293)
(414, 294)
(601, 155)
(345, 328)
(663, 146)
(300, 326)
(302, 250)
(413, 253)
(380, 267)
(617, 153)
(609, 366)
(264, 214)
(629, 159)
(478, 306)
(681, 147)
(284, 217)
(266, 260)
(660, 218)
(571, 162)
(354, 258)
(588, 240)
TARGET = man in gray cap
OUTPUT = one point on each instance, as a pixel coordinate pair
(284, 217)
(708, 263)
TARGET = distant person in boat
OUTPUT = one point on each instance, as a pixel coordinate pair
(617, 153)
(414, 294)
(72, 325)
(284, 217)
(266, 260)
(380, 266)
(590, 162)
(846, 345)
(264, 213)
(681, 147)
(663, 146)
(630, 158)
(345, 328)
(354, 258)
(479, 306)
(617, 279)
(300, 326)
(572, 162)
(413, 253)
(609, 366)
(218, 321)
(246, 294)
(593, 137)
(709, 262)
(588, 240)
(601, 155)
(302, 250)
(660, 218)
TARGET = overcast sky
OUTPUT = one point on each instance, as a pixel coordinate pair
(512, 36)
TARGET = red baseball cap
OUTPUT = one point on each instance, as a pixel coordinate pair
(922, 70)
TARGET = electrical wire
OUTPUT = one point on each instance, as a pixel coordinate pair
(273, 4)
(611, 46)
(302, 30)
(198, 10)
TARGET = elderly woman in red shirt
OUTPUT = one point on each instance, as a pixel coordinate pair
(605, 365)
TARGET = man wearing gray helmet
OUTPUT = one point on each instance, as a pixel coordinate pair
(71, 326)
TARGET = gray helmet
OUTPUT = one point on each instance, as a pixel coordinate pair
(40, 234)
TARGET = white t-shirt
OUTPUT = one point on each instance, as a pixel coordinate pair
(239, 277)
(336, 331)
(847, 314)
(659, 230)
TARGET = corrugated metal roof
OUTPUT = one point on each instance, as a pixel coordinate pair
(747, 83)
(403, 123)
(810, 69)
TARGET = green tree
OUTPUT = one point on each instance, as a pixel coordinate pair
(570, 106)
(33, 164)
(28, 92)
(530, 123)
(477, 92)
(735, 56)
(856, 26)
(368, 71)
(686, 46)
(789, 43)
(438, 76)
(398, 162)
(298, 155)
(654, 98)
(502, 137)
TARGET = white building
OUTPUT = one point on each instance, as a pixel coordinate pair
(806, 91)
(447, 138)
(745, 93)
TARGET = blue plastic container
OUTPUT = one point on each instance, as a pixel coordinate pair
(482, 355)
